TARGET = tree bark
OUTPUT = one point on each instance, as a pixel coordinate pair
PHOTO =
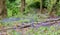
(3, 10)
(22, 5)
(41, 6)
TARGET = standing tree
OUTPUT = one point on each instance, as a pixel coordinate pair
(41, 6)
(22, 5)
(3, 10)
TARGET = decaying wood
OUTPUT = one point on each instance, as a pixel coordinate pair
(30, 25)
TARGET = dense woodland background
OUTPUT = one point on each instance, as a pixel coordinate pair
(9, 8)
(30, 17)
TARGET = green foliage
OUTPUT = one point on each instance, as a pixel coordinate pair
(44, 31)
(51, 3)
(58, 8)
(12, 8)
(12, 1)
(35, 5)
(45, 3)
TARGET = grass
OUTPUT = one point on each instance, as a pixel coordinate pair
(14, 9)
(40, 31)
(48, 30)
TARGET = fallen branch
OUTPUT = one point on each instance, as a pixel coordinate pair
(30, 25)
(18, 27)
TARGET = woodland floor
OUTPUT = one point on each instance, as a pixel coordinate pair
(12, 25)
(42, 29)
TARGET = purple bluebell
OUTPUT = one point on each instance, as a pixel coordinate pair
(10, 19)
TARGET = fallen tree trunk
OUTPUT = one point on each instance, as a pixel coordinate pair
(48, 23)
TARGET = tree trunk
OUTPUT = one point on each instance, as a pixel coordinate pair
(22, 5)
(41, 6)
(3, 10)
